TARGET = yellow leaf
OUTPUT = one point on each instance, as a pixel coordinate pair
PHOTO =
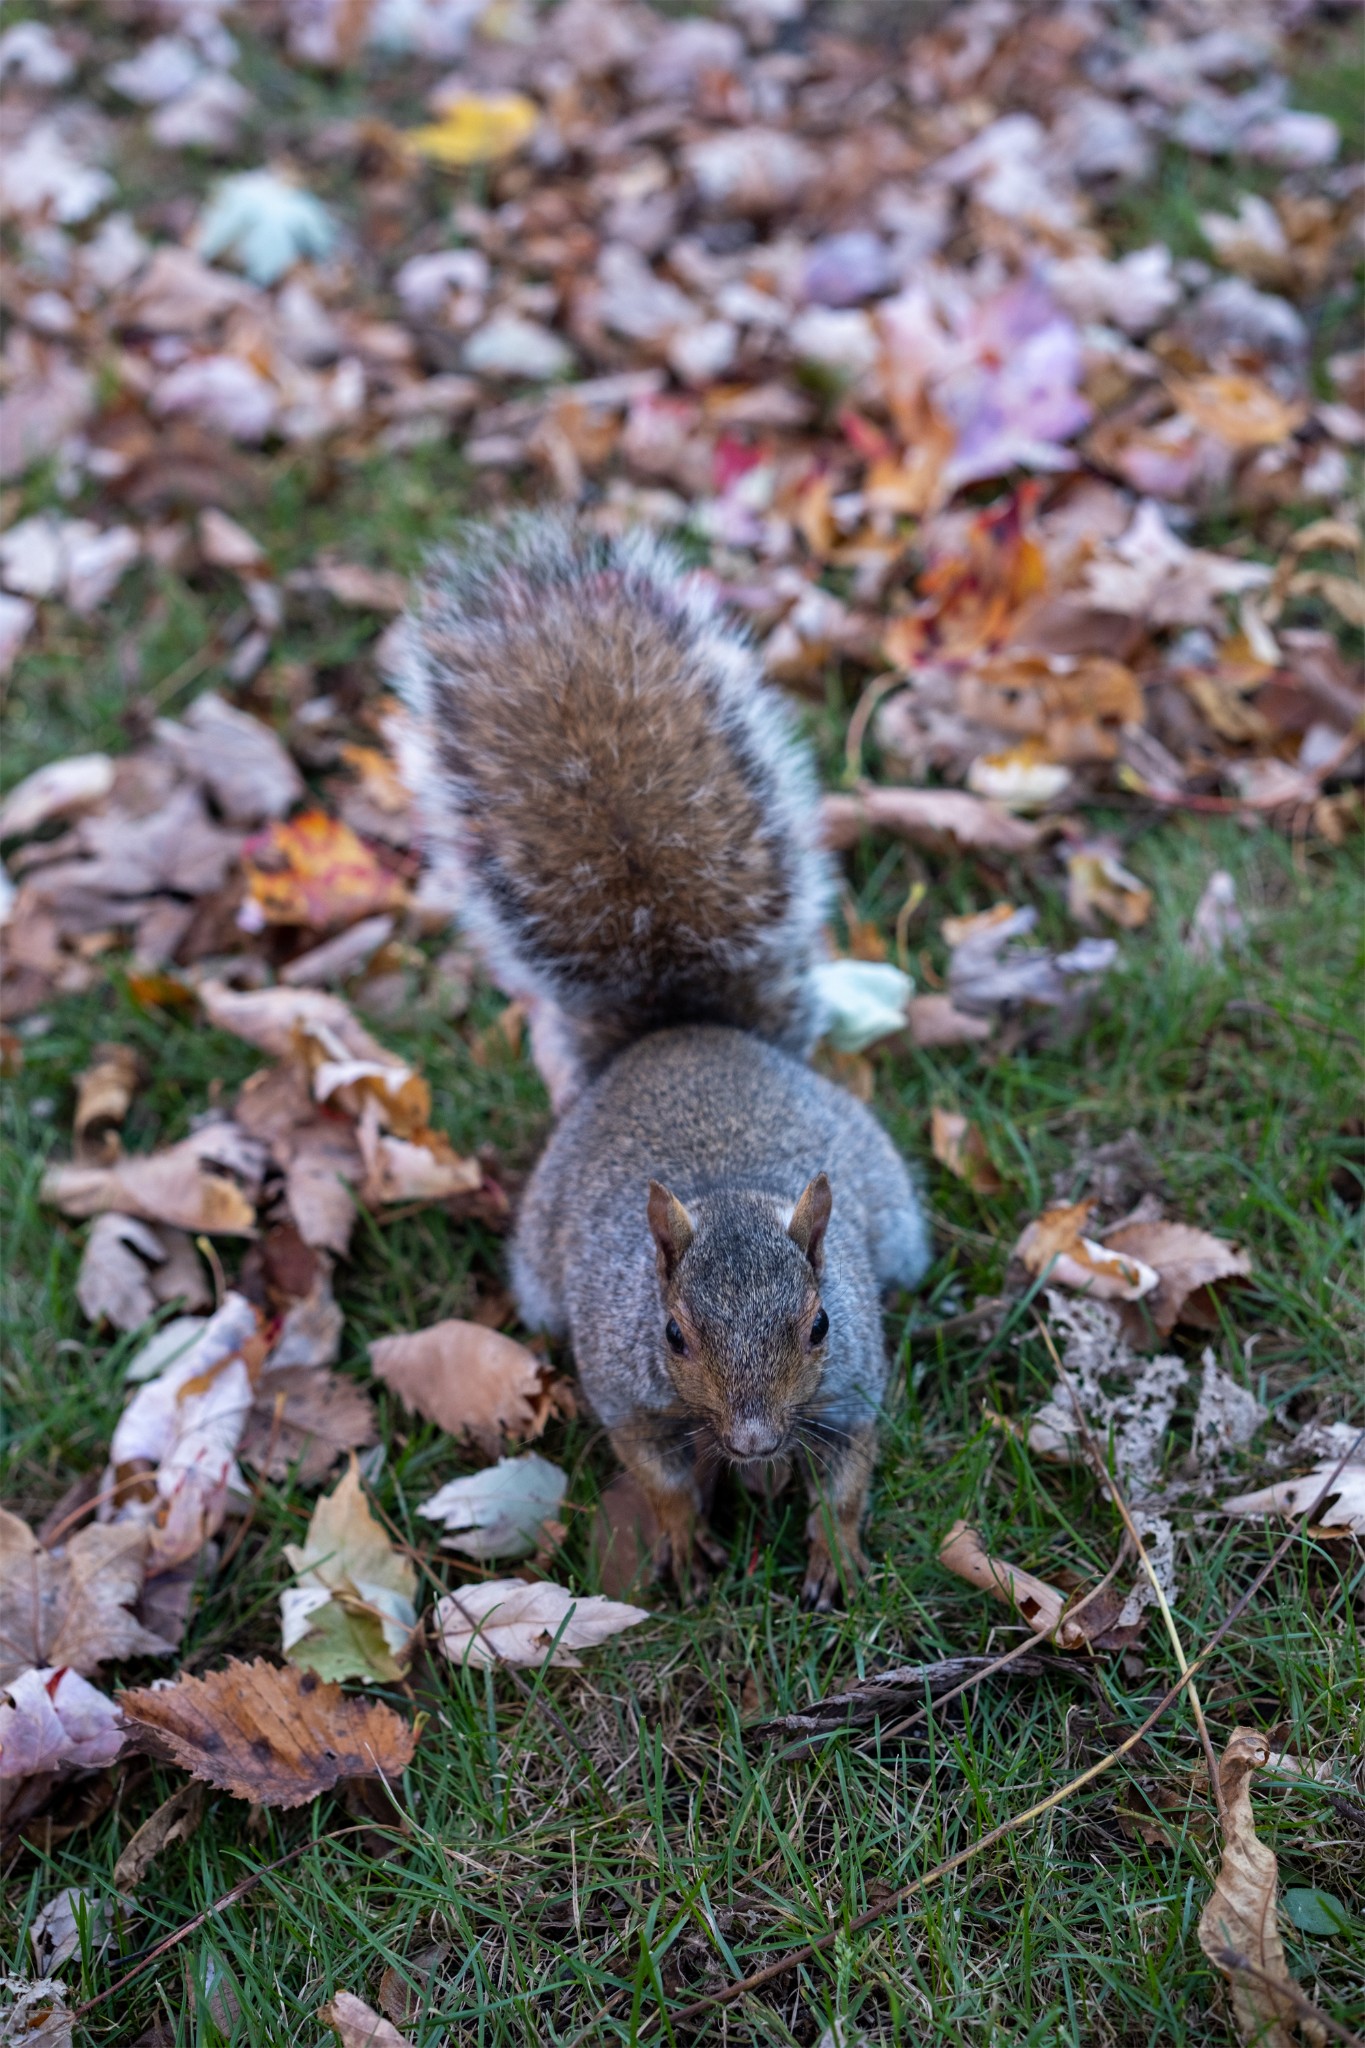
(476, 128)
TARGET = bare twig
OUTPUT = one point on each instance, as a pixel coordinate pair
(794, 1958)
(1110, 1481)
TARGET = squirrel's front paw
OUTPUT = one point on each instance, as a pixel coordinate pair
(829, 1571)
(688, 1564)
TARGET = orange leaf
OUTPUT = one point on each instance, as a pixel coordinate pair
(315, 871)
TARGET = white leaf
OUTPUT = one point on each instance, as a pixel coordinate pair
(265, 224)
(498, 1513)
(861, 1001)
(506, 1621)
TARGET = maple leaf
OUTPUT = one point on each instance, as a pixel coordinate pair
(266, 223)
(269, 1733)
(476, 128)
(70, 1607)
(316, 871)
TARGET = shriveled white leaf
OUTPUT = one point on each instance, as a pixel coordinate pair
(36, 2015)
(59, 790)
(66, 1922)
(166, 1348)
(506, 1621)
(113, 1283)
(1295, 1496)
(500, 1512)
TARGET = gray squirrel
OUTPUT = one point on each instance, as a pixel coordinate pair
(632, 826)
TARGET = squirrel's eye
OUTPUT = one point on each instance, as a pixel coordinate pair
(819, 1329)
(676, 1340)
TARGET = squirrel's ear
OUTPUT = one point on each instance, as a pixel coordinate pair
(810, 1218)
(671, 1226)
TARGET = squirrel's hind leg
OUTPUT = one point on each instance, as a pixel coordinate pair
(669, 1481)
(838, 1496)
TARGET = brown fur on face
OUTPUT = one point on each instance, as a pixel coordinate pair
(740, 1299)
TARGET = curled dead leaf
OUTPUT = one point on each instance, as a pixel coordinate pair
(269, 1732)
(1239, 1922)
(70, 1607)
(186, 1184)
(960, 1147)
(357, 2025)
(1187, 1261)
(103, 1094)
(928, 817)
(1053, 1244)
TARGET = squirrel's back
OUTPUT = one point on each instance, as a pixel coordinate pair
(632, 821)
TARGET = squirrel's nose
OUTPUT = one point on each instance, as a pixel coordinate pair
(749, 1440)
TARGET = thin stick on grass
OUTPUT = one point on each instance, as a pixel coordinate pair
(796, 1957)
(1110, 1481)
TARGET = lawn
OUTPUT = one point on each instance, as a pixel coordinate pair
(572, 1853)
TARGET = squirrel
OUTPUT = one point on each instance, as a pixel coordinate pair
(633, 827)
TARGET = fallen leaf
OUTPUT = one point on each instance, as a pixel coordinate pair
(175, 1820)
(266, 223)
(500, 1512)
(476, 128)
(37, 2017)
(1239, 1922)
(959, 1146)
(625, 1535)
(51, 1716)
(506, 1621)
(240, 761)
(172, 1457)
(1343, 1508)
(1039, 1604)
(70, 1607)
(861, 1001)
(927, 817)
(316, 871)
(71, 1922)
(358, 2025)
(351, 1615)
(1241, 410)
(935, 1020)
(302, 1420)
(187, 1184)
(985, 971)
(60, 790)
(1217, 922)
(468, 1380)
(1022, 778)
(104, 1092)
(1053, 1244)
(114, 1281)
(1149, 573)
(269, 1733)
(1097, 881)
(1187, 1262)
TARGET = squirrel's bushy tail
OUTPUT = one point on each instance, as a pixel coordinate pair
(633, 822)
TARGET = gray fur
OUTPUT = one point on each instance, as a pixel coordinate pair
(711, 1112)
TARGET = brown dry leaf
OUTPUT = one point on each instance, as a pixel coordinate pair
(507, 1621)
(1342, 1508)
(1053, 1244)
(1242, 411)
(927, 817)
(468, 1380)
(175, 1820)
(625, 1531)
(316, 871)
(401, 2000)
(347, 1063)
(960, 1147)
(936, 1020)
(1187, 1262)
(1040, 1605)
(103, 1094)
(1239, 1923)
(268, 1732)
(305, 1417)
(179, 1185)
(1076, 707)
(1097, 881)
(358, 2025)
(70, 1607)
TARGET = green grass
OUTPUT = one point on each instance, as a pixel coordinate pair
(676, 1851)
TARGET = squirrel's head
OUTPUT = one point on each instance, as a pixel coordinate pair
(742, 1327)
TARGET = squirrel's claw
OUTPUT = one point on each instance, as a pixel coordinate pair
(829, 1571)
(687, 1564)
